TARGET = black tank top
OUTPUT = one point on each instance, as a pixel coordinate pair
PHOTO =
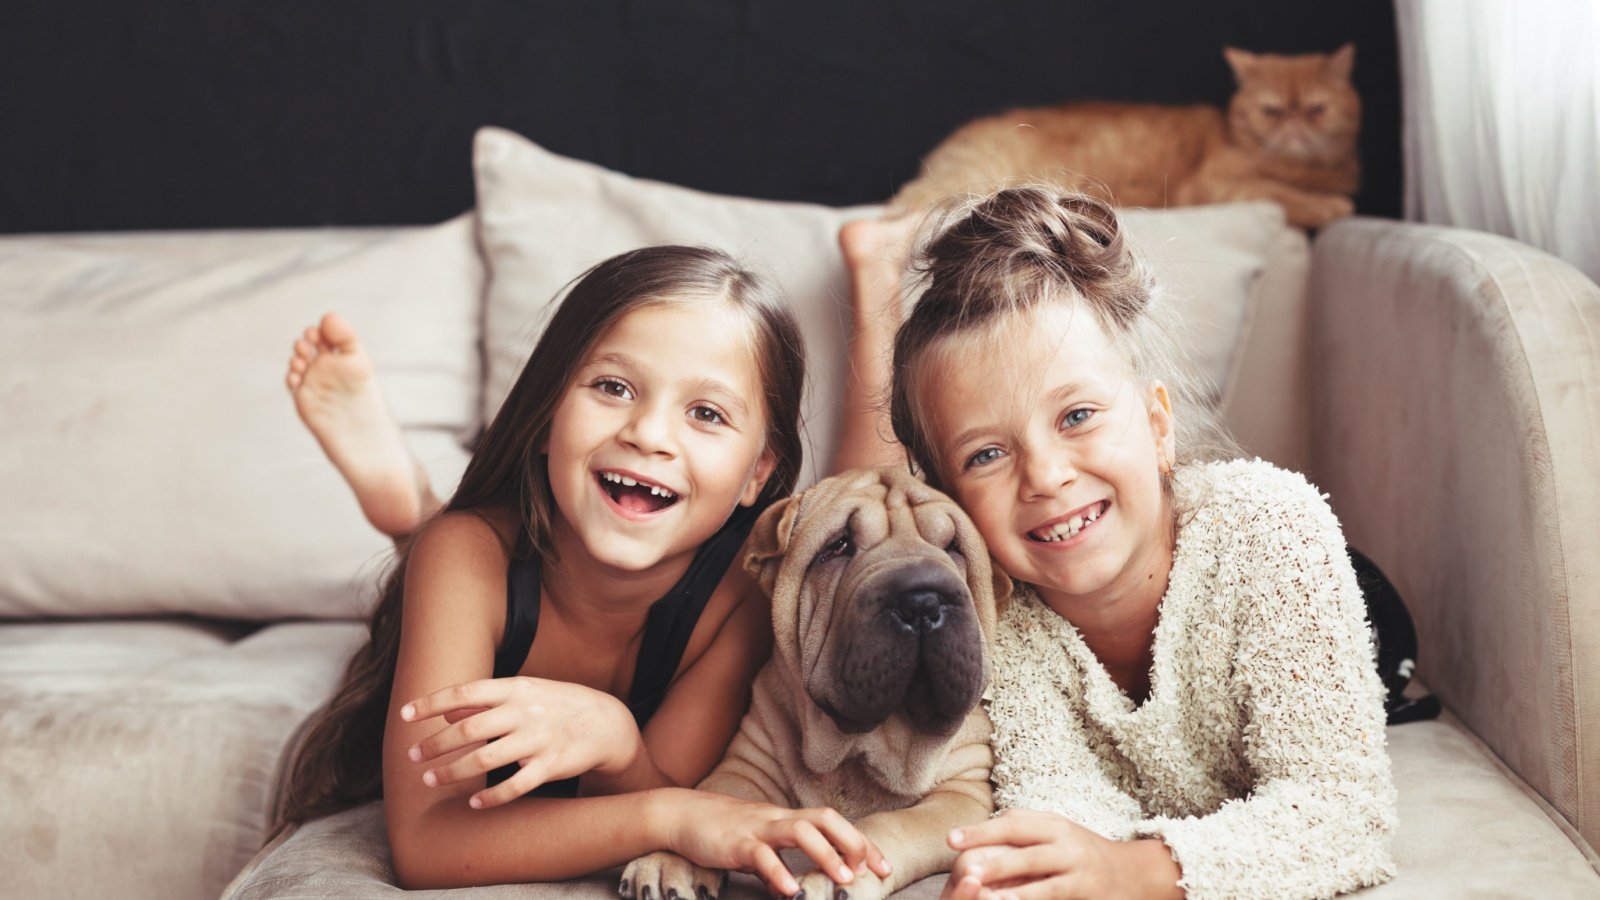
(667, 627)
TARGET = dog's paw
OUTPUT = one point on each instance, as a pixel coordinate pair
(668, 876)
(817, 886)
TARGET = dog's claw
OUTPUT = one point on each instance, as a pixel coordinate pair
(841, 893)
(700, 893)
(672, 894)
(625, 888)
(646, 893)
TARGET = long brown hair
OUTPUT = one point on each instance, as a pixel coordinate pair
(338, 764)
(1014, 250)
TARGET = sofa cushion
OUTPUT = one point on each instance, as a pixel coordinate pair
(1466, 829)
(145, 754)
(545, 218)
(153, 462)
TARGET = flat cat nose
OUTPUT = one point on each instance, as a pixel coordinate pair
(920, 610)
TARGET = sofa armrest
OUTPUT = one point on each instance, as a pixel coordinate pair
(1456, 426)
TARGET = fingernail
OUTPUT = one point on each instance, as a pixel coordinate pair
(975, 873)
(476, 802)
(415, 753)
(407, 711)
(430, 779)
(956, 836)
(845, 874)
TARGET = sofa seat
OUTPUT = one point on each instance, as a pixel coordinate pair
(1467, 829)
(134, 748)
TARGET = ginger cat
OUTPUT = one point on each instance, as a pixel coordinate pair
(1289, 136)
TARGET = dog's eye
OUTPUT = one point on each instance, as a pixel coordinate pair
(953, 548)
(841, 546)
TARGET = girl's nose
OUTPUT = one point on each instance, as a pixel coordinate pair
(648, 430)
(1044, 473)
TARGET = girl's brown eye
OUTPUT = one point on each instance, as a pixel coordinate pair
(1273, 112)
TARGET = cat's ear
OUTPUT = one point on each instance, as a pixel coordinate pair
(1341, 61)
(1243, 62)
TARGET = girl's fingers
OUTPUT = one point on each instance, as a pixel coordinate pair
(854, 846)
(771, 869)
(484, 726)
(976, 862)
(483, 692)
(1017, 827)
(810, 840)
(479, 762)
(526, 779)
(1061, 887)
(456, 715)
(1029, 863)
(966, 888)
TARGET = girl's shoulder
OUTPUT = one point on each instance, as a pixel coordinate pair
(473, 535)
(1239, 492)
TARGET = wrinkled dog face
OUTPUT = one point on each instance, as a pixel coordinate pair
(890, 597)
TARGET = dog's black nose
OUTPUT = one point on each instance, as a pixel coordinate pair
(920, 610)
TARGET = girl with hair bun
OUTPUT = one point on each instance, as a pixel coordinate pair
(1184, 698)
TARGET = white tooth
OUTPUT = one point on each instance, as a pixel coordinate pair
(657, 492)
(1075, 525)
(1093, 514)
(628, 482)
(609, 476)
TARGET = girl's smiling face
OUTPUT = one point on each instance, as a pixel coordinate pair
(660, 435)
(1044, 436)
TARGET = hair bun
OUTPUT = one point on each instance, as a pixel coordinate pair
(1068, 238)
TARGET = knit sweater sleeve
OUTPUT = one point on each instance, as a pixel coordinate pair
(1318, 819)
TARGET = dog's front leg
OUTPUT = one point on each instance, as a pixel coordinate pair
(746, 772)
(913, 840)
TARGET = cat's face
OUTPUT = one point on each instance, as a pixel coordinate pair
(1296, 108)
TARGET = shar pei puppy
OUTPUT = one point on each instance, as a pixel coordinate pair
(883, 605)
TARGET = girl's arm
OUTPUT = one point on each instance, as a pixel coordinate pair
(1321, 811)
(453, 611)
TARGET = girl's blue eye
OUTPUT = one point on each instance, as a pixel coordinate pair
(983, 457)
(707, 414)
(1076, 417)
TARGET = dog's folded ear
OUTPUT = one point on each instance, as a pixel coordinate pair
(769, 540)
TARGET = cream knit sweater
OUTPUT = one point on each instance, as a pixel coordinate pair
(1259, 755)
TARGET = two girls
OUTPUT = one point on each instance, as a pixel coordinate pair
(1183, 699)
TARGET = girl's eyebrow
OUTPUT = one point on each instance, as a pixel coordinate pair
(709, 387)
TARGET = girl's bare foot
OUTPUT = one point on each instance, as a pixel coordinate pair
(336, 393)
(876, 252)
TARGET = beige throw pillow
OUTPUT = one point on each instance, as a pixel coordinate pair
(544, 219)
(152, 460)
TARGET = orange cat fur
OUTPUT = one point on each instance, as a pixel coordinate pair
(1289, 136)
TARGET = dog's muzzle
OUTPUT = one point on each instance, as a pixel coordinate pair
(911, 644)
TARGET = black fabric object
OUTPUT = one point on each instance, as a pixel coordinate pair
(260, 113)
(1395, 637)
(667, 629)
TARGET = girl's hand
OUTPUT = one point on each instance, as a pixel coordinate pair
(554, 729)
(721, 832)
(1031, 855)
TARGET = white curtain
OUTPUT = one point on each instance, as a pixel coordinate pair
(1502, 119)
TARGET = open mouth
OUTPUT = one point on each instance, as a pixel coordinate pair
(634, 495)
(1070, 527)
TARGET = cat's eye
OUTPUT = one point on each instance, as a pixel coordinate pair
(1273, 112)
(1316, 109)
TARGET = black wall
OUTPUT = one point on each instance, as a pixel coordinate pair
(119, 114)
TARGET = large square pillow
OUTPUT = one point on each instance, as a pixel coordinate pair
(544, 219)
(152, 460)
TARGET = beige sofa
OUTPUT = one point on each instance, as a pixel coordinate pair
(182, 574)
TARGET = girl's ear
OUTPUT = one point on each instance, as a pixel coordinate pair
(1161, 426)
(758, 478)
